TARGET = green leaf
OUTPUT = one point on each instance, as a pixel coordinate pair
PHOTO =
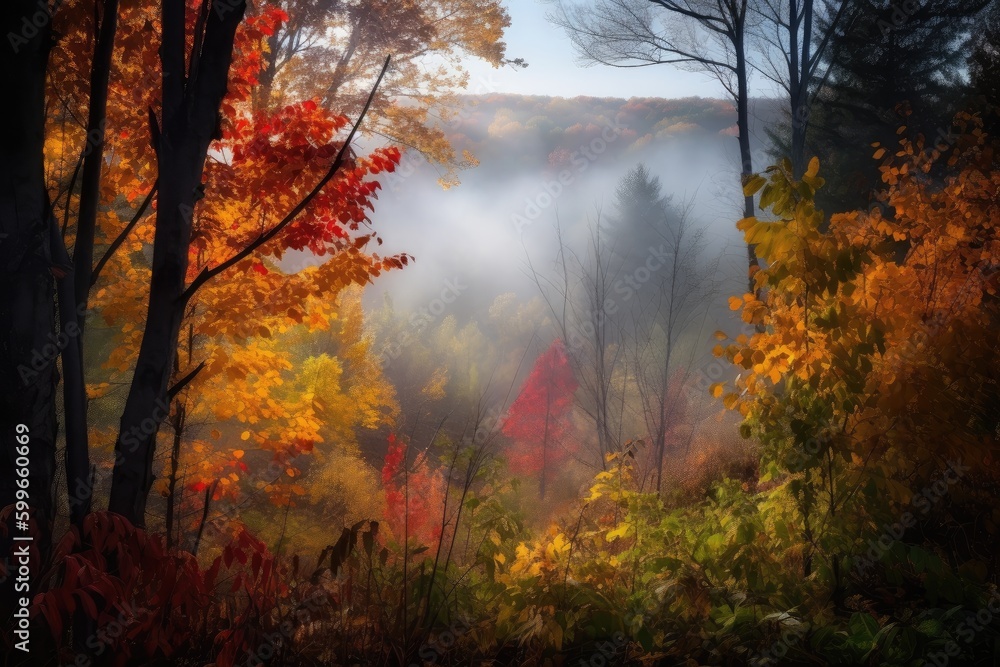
(645, 638)
(863, 626)
(919, 559)
(716, 541)
(931, 627)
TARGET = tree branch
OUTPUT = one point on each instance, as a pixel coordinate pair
(207, 273)
(124, 233)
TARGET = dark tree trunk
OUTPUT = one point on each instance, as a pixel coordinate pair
(189, 123)
(79, 480)
(28, 343)
(746, 158)
(800, 78)
(93, 154)
(75, 288)
(178, 418)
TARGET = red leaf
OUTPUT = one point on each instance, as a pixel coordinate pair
(255, 564)
(52, 617)
(88, 605)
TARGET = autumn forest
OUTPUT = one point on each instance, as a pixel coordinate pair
(480, 332)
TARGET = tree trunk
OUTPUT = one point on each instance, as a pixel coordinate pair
(74, 291)
(175, 456)
(189, 123)
(799, 88)
(28, 343)
(79, 479)
(93, 155)
(746, 159)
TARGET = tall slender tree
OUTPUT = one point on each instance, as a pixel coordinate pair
(668, 310)
(711, 37)
(794, 37)
(577, 293)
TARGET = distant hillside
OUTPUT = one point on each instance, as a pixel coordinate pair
(530, 132)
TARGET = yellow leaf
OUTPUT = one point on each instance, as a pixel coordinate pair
(753, 184)
(716, 389)
(879, 153)
(720, 335)
(245, 435)
(813, 167)
(617, 532)
(735, 302)
(238, 453)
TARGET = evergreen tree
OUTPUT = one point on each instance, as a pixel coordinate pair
(643, 224)
(891, 64)
(984, 69)
(641, 214)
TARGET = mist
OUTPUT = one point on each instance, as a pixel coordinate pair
(483, 230)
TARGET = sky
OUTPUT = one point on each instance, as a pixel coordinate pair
(554, 68)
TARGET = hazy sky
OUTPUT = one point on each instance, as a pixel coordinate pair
(554, 68)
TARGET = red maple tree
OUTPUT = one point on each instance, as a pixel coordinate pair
(538, 421)
(414, 495)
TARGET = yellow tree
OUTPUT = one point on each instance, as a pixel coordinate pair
(275, 424)
(872, 371)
